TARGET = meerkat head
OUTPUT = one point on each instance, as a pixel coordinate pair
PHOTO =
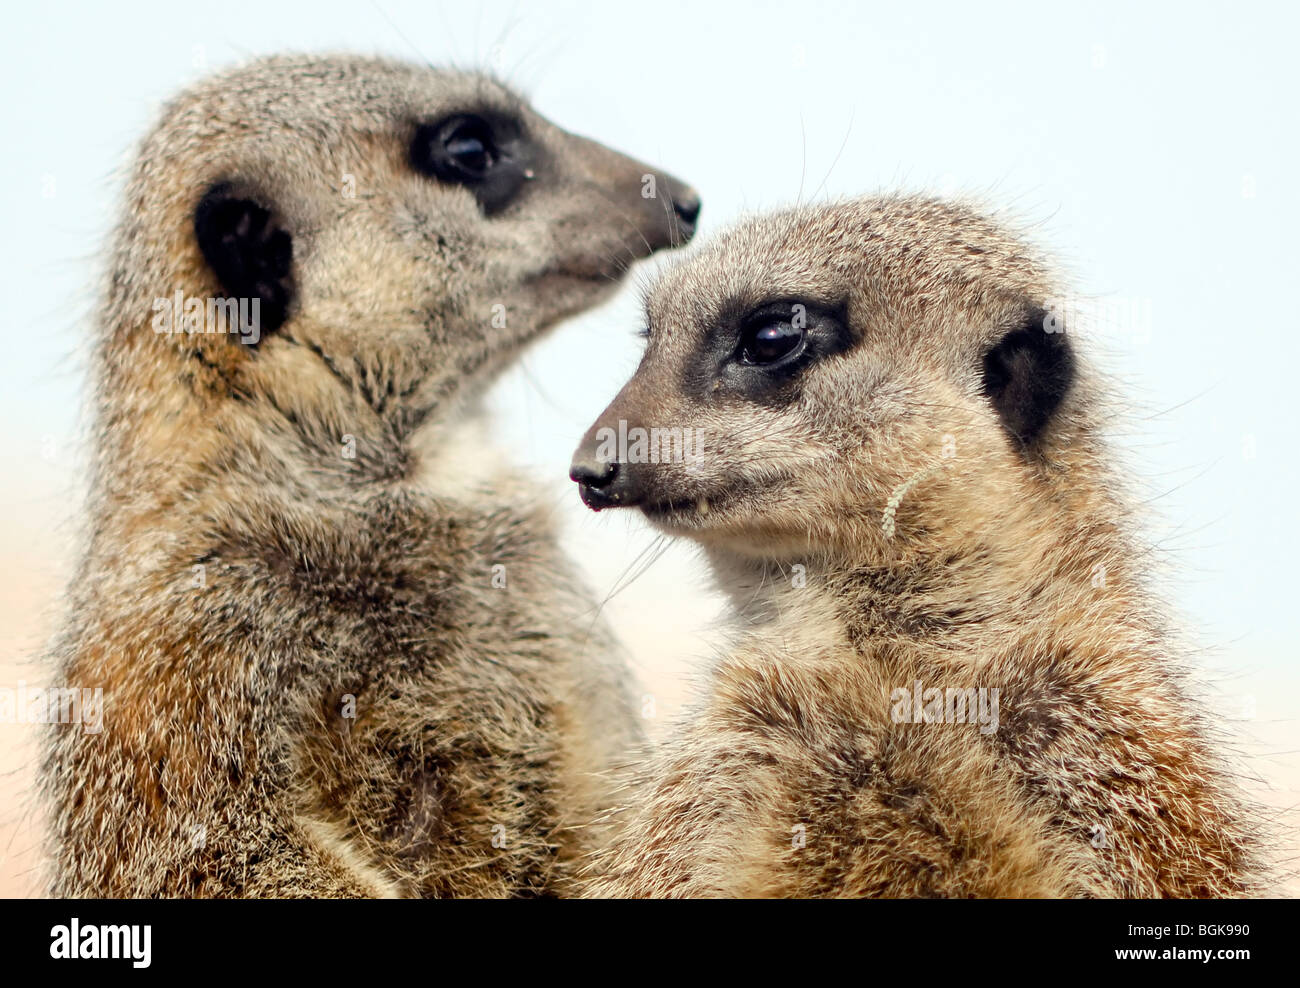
(360, 240)
(808, 369)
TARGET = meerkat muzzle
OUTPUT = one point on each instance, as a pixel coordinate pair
(594, 480)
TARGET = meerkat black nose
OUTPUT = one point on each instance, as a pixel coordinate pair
(593, 473)
(686, 204)
(594, 478)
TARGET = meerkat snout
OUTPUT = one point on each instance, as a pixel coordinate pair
(595, 480)
(686, 205)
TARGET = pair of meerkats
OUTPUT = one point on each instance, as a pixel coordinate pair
(341, 655)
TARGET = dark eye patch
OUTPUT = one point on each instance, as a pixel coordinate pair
(757, 352)
(486, 153)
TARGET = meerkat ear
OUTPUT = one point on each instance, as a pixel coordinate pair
(1026, 376)
(250, 252)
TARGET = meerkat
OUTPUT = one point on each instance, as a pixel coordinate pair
(337, 643)
(949, 675)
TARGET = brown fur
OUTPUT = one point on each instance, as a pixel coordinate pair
(230, 762)
(1011, 566)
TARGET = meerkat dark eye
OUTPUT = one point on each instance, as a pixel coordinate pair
(469, 150)
(761, 352)
(769, 342)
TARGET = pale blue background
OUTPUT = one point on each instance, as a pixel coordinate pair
(1155, 152)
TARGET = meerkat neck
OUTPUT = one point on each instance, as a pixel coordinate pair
(190, 409)
(1014, 577)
